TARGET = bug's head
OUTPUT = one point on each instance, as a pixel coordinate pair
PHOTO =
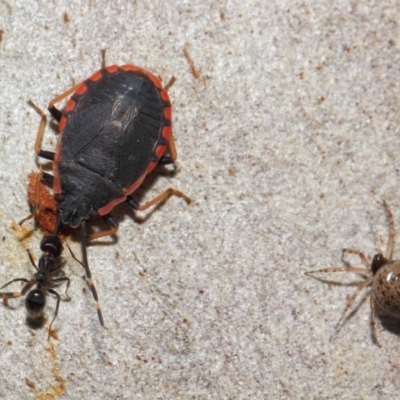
(73, 210)
(35, 302)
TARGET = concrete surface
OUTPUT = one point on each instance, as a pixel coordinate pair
(288, 141)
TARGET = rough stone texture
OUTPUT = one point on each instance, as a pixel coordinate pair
(288, 142)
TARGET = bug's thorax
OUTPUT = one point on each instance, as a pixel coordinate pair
(386, 287)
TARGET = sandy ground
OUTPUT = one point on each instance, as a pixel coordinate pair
(287, 127)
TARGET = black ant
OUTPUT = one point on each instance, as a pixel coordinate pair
(49, 263)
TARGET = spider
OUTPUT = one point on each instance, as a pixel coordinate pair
(382, 275)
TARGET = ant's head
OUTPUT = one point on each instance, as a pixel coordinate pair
(52, 244)
(35, 302)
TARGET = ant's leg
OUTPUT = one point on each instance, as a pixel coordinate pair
(53, 292)
(11, 295)
(63, 279)
(15, 280)
(32, 260)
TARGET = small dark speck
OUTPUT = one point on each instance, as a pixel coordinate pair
(30, 383)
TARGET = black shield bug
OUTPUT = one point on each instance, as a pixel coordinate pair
(114, 130)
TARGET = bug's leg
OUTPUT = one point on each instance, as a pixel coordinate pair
(109, 232)
(85, 265)
(103, 58)
(164, 160)
(157, 200)
(55, 112)
(389, 246)
(57, 115)
(48, 155)
(53, 292)
(48, 179)
(170, 83)
(373, 322)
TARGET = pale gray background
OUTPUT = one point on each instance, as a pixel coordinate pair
(288, 143)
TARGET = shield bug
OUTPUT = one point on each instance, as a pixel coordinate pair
(114, 130)
(382, 276)
(49, 264)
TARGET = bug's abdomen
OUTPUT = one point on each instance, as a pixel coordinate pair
(115, 127)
